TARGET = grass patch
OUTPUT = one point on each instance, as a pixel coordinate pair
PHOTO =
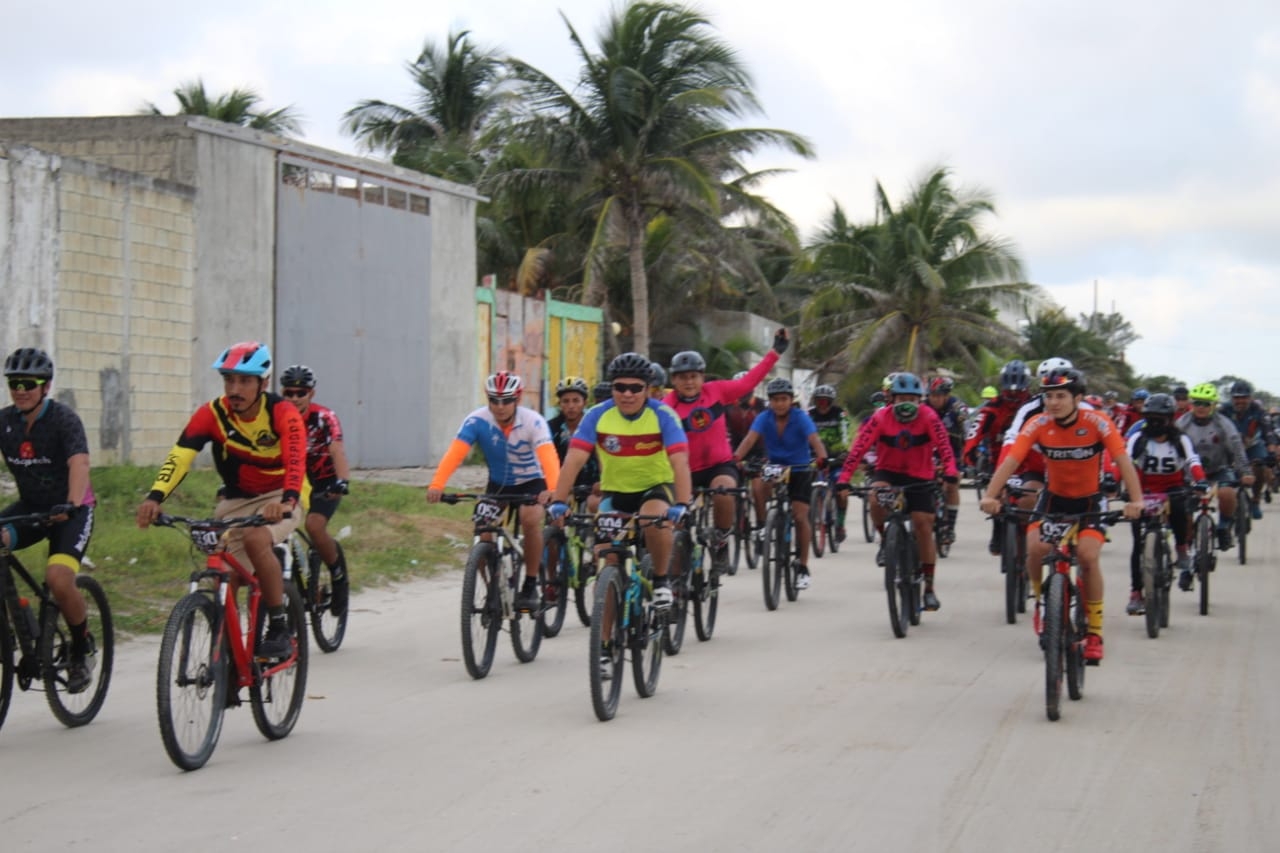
(395, 535)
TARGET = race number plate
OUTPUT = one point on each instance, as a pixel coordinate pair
(775, 473)
(487, 512)
(1054, 531)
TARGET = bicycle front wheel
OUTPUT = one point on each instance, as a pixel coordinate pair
(481, 609)
(679, 572)
(1151, 570)
(327, 628)
(868, 528)
(1015, 577)
(276, 696)
(191, 682)
(555, 572)
(705, 594)
(892, 549)
(817, 520)
(606, 645)
(1054, 640)
(76, 709)
(646, 629)
(526, 632)
(1244, 524)
(831, 518)
(773, 558)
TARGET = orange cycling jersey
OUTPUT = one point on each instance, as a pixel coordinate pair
(1074, 453)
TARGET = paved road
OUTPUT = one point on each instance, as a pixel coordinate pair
(809, 728)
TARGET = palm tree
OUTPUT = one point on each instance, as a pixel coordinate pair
(458, 89)
(644, 133)
(1053, 333)
(239, 106)
(920, 286)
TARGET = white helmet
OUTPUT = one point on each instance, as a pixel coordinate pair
(1052, 364)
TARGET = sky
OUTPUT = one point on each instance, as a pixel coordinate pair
(1130, 146)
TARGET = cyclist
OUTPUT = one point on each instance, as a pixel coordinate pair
(1072, 440)
(1166, 460)
(601, 392)
(47, 453)
(832, 422)
(789, 438)
(657, 381)
(1133, 412)
(571, 397)
(701, 406)
(327, 471)
(644, 462)
(953, 415)
(1221, 452)
(992, 422)
(522, 460)
(1181, 400)
(907, 437)
(1260, 440)
(260, 452)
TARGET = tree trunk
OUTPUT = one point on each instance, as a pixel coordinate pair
(639, 283)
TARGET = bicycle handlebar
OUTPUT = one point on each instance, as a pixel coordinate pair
(456, 497)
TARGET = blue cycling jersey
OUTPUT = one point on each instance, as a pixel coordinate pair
(791, 447)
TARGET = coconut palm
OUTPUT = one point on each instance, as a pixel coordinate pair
(644, 133)
(239, 106)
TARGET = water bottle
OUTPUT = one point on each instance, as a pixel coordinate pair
(29, 618)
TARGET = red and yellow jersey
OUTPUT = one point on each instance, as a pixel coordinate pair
(253, 457)
(1073, 454)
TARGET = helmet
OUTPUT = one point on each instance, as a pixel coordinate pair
(990, 392)
(1180, 392)
(247, 358)
(907, 383)
(779, 386)
(1014, 376)
(1067, 378)
(1205, 392)
(941, 385)
(1240, 388)
(1159, 404)
(1139, 394)
(575, 384)
(298, 376)
(824, 392)
(877, 399)
(1054, 363)
(603, 391)
(1110, 396)
(687, 361)
(1094, 400)
(887, 382)
(503, 384)
(657, 376)
(630, 365)
(29, 361)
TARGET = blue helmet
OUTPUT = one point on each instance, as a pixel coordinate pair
(248, 358)
(907, 383)
(1139, 394)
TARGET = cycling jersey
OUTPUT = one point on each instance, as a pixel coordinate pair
(1073, 454)
(1033, 462)
(1164, 465)
(562, 435)
(37, 459)
(323, 429)
(903, 448)
(991, 423)
(1217, 443)
(833, 428)
(791, 446)
(703, 421)
(253, 457)
(953, 417)
(1252, 424)
(518, 453)
(634, 451)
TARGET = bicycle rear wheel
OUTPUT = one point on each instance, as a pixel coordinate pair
(1205, 558)
(6, 662)
(868, 528)
(76, 709)
(481, 609)
(1055, 640)
(831, 519)
(892, 559)
(772, 559)
(705, 594)
(1164, 582)
(606, 681)
(1244, 524)
(1151, 570)
(327, 628)
(1015, 574)
(818, 520)
(1075, 643)
(912, 580)
(791, 550)
(555, 571)
(680, 571)
(648, 624)
(191, 682)
(526, 632)
(276, 696)
(585, 561)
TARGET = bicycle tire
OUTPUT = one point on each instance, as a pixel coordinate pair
(555, 586)
(1244, 525)
(912, 581)
(1204, 558)
(7, 662)
(892, 556)
(752, 547)
(868, 528)
(790, 549)
(608, 600)
(276, 699)
(1014, 574)
(525, 630)
(817, 521)
(481, 609)
(1150, 557)
(1165, 585)
(831, 514)
(327, 628)
(646, 629)
(191, 681)
(706, 598)
(77, 709)
(584, 570)
(771, 562)
(1054, 639)
(740, 536)
(680, 572)
(1075, 643)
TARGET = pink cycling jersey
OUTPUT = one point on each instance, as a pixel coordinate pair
(903, 448)
(704, 419)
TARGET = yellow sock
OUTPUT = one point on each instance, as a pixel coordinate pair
(1093, 615)
(1036, 585)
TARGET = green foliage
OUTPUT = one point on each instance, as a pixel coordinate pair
(239, 106)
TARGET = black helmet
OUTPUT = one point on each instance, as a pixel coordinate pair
(1067, 378)
(1180, 392)
(824, 392)
(657, 376)
(603, 391)
(29, 361)
(1159, 404)
(1240, 388)
(1014, 376)
(629, 365)
(779, 386)
(683, 362)
(297, 376)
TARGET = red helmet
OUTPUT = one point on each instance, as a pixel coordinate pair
(503, 384)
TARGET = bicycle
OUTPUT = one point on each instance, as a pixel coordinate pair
(1156, 558)
(495, 566)
(903, 579)
(35, 642)
(698, 577)
(1203, 545)
(777, 566)
(824, 512)
(943, 535)
(315, 586)
(746, 539)
(579, 557)
(623, 618)
(1244, 524)
(1013, 553)
(205, 644)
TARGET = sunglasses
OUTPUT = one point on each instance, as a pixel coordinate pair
(296, 392)
(629, 387)
(1201, 403)
(502, 401)
(26, 383)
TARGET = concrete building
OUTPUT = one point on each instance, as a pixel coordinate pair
(136, 248)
